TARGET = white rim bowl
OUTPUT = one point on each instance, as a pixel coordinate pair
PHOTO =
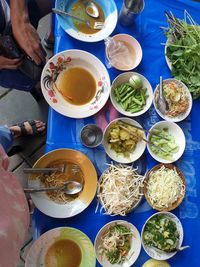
(154, 252)
(133, 43)
(135, 155)
(123, 78)
(181, 117)
(179, 136)
(135, 245)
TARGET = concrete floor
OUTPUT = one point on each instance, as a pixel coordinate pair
(17, 106)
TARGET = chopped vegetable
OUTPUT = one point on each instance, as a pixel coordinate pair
(183, 48)
(165, 147)
(116, 243)
(123, 138)
(176, 96)
(120, 189)
(164, 187)
(131, 96)
(161, 232)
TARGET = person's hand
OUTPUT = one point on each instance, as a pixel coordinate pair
(29, 40)
(7, 63)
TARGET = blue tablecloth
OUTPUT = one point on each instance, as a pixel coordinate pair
(64, 132)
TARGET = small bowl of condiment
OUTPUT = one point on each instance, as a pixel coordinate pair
(91, 135)
(123, 52)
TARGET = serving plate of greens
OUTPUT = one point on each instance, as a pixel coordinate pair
(182, 51)
(166, 142)
(162, 235)
(117, 244)
(131, 94)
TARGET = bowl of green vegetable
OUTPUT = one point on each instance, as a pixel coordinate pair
(162, 235)
(131, 94)
(117, 244)
(123, 140)
(166, 142)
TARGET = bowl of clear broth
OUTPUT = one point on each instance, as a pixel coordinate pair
(75, 83)
(123, 52)
(107, 14)
(63, 246)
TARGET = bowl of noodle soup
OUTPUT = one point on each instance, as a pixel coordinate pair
(78, 168)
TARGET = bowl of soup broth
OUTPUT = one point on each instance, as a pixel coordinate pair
(75, 83)
(62, 247)
(107, 14)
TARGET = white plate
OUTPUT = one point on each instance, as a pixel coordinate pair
(70, 59)
(37, 252)
(134, 252)
(76, 206)
(135, 155)
(123, 78)
(110, 12)
(178, 134)
(181, 116)
(155, 253)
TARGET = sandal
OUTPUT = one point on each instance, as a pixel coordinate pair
(33, 125)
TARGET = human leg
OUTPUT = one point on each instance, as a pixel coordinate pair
(6, 137)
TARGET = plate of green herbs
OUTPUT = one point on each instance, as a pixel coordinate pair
(162, 235)
(182, 51)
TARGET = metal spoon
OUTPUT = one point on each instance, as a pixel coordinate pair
(91, 9)
(70, 188)
(162, 103)
(181, 248)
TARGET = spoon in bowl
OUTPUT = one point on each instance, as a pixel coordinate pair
(91, 9)
(162, 103)
(69, 188)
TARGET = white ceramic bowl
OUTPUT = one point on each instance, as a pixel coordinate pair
(136, 154)
(133, 43)
(135, 245)
(179, 136)
(154, 252)
(181, 116)
(124, 78)
(66, 60)
(111, 15)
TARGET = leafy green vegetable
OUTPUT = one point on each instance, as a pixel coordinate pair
(161, 232)
(183, 50)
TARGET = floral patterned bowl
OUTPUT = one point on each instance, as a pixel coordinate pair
(70, 59)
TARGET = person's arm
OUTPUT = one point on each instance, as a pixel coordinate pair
(24, 33)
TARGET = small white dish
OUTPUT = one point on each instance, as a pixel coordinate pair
(154, 252)
(134, 251)
(135, 155)
(124, 78)
(181, 116)
(131, 43)
(178, 134)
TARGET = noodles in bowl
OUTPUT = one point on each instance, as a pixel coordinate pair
(72, 172)
(78, 168)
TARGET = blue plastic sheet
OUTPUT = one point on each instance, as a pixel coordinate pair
(64, 132)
